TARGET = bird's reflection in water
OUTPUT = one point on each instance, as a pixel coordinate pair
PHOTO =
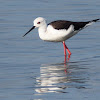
(59, 77)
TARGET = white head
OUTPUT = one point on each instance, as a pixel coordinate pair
(38, 22)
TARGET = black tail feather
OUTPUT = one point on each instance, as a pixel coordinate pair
(95, 20)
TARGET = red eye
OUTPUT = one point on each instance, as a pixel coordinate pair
(38, 22)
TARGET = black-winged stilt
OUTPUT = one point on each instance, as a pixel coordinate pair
(59, 31)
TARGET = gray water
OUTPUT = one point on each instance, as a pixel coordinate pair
(31, 69)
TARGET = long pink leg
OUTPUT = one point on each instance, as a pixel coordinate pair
(64, 51)
(66, 48)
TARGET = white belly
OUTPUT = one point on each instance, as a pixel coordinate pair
(54, 35)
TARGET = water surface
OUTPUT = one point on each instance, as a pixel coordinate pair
(31, 69)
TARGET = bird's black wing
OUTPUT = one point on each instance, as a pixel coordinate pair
(81, 25)
(63, 24)
(60, 24)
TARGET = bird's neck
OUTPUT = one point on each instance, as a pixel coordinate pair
(43, 28)
(42, 31)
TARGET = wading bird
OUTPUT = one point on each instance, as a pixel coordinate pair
(59, 31)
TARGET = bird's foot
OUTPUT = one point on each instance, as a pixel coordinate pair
(67, 58)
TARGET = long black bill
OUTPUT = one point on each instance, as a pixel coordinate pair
(29, 31)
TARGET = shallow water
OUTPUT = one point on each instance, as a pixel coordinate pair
(31, 69)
